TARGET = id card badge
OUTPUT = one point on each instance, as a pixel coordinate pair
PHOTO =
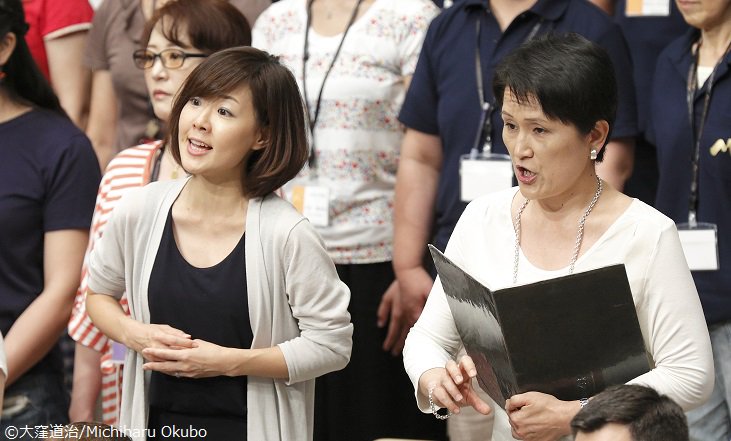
(313, 201)
(484, 174)
(700, 245)
(119, 351)
(647, 8)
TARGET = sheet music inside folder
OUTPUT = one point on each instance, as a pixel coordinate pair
(570, 337)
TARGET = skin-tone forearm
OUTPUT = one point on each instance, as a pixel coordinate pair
(87, 383)
(39, 327)
(618, 163)
(416, 189)
(102, 124)
(71, 80)
(415, 196)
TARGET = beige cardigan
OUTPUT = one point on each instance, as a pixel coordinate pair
(295, 299)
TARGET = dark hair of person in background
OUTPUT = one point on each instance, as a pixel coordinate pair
(192, 18)
(23, 80)
(579, 96)
(648, 415)
(277, 103)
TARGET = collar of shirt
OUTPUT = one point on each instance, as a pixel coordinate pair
(550, 10)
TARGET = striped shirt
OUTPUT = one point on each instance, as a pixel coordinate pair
(131, 168)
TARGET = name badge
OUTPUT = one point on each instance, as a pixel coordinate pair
(485, 174)
(700, 246)
(648, 8)
(313, 201)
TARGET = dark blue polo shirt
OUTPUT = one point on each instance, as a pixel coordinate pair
(443, 98)
(670, 130)
(49, 176)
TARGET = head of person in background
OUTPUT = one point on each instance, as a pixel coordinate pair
(21, 82)
(630, 413)
(178, 37)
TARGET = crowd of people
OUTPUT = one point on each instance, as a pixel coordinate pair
(223, 209)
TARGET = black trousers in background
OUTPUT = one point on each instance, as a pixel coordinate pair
(372, 397)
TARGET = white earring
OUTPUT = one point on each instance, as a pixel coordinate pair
(593, 154)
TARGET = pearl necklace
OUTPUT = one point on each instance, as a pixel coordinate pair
(579, 234)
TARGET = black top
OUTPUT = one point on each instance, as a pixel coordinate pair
(209, 304)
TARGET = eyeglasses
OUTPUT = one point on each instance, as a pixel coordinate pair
(170, 58)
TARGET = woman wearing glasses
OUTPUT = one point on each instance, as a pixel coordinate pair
(120, 114)
(175, 41)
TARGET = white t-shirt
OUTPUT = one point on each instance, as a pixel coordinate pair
(646, 241)
(357, 136)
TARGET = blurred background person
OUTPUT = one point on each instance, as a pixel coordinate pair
(648, 26)
(48, 181)
(630, 412)
(120, 112)
(57, 39)
(690, 116)
(353, 61)
(175, 40)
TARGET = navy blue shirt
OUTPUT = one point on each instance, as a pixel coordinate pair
(671, 132)
(443, 99)
(49, 177)
(647, 37)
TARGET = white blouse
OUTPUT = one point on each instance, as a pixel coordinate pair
(646, 241)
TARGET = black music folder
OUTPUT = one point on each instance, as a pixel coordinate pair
(570, 337)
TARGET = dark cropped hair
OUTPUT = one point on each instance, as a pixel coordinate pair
(571, 78)
(24, 82)
(277, 103)
(648, 415)
(210, 25)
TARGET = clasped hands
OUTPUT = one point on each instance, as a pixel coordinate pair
(173, 352)
(534, 416)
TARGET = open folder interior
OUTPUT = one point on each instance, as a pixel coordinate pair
(570, 337)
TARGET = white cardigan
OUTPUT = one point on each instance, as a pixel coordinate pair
(295, 299)
(668, 309)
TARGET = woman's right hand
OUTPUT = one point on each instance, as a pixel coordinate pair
(138, 336)
(451, 386)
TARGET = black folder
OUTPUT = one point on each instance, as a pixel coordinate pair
(570, 337)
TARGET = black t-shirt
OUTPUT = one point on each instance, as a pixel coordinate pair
(49, 176)
(209, 304)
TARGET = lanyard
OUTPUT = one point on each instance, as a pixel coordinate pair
(692, 87)
(312, 161)
(488, 108)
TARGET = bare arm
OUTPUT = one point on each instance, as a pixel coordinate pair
(102, 125)
(38, 328)
(71, 80)
(416, 189)
(619, 159)
(87, 383)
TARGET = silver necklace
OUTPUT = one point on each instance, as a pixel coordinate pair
(579, 234)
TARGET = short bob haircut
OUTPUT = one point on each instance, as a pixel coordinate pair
(571, 78)
(278, 105)
(210, 25)
(648, 415)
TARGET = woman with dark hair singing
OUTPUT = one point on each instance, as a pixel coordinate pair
(218, 270)
(557, 97)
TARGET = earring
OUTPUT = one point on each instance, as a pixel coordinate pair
(593, 154)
